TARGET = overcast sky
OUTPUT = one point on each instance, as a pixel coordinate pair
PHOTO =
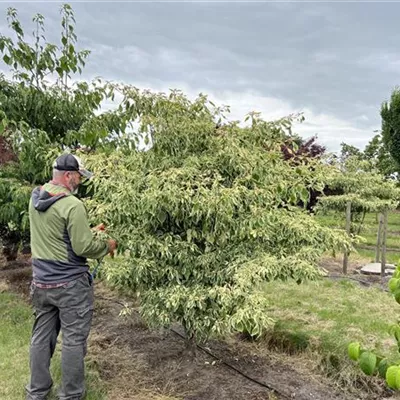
(334, 61)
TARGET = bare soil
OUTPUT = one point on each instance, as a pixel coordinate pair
(132, 358)
(333, 267)
(140, 364)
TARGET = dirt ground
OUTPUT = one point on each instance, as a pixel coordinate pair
(138, 364)
(333, 267)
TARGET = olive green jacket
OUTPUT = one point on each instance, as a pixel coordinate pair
(61, 238)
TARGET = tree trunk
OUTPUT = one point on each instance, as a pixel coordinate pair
(361, 223)
(379, 238)
(190, 342)
(191, 347)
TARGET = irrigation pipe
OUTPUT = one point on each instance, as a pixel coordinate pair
(237, 370)
(248, 377)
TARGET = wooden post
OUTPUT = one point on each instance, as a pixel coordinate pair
(384, 235)
(379, 238)
(348, 225)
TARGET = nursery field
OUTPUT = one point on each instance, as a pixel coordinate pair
(224, 284)
(303, 355)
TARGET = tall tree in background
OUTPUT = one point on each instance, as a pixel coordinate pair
(377, 154)
(390, 113)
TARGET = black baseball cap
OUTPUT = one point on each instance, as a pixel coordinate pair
(69, 162)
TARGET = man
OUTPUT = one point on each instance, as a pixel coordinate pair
(62, 291)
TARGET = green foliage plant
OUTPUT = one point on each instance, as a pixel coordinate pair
(207, 214)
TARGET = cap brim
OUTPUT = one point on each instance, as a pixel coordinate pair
(85, 173)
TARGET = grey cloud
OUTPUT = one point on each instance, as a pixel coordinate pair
(333, 58)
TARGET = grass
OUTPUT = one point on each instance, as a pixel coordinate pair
(331, 313)
(15, 330)
(317, 320)
(367, 254)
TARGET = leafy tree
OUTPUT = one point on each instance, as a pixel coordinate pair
(38, 120)
(53, 108)
(27, 161)
(297, 150)
(32, 64)
(14, 223)
(390, 113)
(207, 215)
(347, 151)
(376, 153)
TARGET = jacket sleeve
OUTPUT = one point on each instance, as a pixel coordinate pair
(83, 242)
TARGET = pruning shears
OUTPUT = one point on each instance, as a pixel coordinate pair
(96, 268)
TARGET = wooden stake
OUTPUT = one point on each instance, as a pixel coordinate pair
(378, 238)
(384, 235)
(348, 224)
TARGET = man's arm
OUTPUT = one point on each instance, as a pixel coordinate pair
(82, 239)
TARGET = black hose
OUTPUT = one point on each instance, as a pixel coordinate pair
(248, 377)
(254, 380)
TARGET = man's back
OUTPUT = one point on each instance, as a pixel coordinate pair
(62, 288)
(61, 238)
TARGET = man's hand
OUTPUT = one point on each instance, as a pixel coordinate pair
(100, 227)
(112, 245)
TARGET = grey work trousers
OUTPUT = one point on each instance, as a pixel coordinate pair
(69, 307)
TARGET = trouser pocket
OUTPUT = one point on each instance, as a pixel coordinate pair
(76, 324)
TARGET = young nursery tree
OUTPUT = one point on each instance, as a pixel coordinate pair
(207, 215)
(358, 189)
